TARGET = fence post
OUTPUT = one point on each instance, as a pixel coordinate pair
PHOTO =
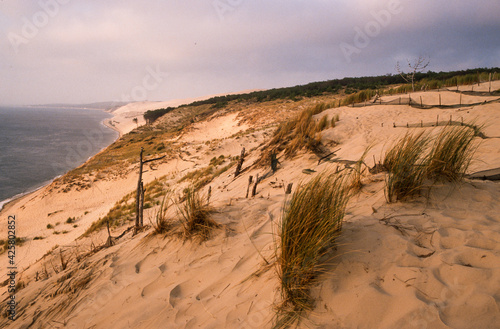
(439, 99)
(421, 105)
(490, 84)
(437, 121)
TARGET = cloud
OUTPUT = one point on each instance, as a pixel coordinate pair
(99, 50)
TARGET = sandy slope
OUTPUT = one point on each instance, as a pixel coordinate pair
(123, 117)
(430, 263)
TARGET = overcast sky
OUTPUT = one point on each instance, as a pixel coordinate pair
(80, 51)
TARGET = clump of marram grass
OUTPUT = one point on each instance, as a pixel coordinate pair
(323, 123)
(301, 132)
(309, 227)
(195, 213)
(406, 164)
(162, 223)
(451, 154)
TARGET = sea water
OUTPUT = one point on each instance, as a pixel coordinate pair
(38, 144)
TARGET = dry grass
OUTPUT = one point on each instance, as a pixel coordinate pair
(203, 176)
(309, 227)
(162, 223)
(406, 164)
(451, 154)
(301, 132)
(124, 210)
(410, 162)
(361, 96)
(357, 172)
(195, 214)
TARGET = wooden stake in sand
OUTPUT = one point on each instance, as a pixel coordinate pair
(274, 162)
(141, 205)
(249, 183)
(439, 99)
(490, 84)
(139, 198)
(240, 163)
(289, 188)
(254, 189)
(437, 121)
(109, 243)
(421, 104)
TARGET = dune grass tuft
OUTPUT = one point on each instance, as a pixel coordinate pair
(405, 162)
(195, 215)
(301, 132)
(451, 154)
(309, 227)
(162, 223)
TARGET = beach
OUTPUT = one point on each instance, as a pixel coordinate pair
(432, 262)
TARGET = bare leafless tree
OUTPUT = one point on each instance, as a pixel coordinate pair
(417, 66)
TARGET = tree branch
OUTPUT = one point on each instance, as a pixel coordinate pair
(151, 160)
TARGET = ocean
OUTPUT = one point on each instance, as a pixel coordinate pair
(39, 144)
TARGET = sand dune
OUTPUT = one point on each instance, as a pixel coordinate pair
(433, 262)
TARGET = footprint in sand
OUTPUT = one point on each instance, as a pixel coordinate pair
(450, 238)
(478, 309)
(473, 257)
(156, 287)
(481, 242)
(175, 295)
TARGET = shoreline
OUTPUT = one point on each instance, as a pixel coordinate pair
(112, 127)
(10, 201)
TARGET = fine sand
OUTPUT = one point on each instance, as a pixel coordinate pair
(433, 262)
